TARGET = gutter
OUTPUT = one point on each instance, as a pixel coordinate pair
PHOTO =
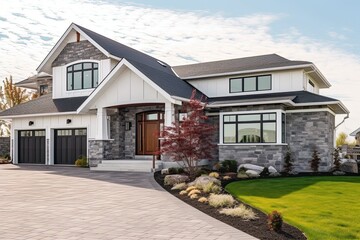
(346, 117)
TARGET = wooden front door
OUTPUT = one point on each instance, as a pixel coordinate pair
(149, 125)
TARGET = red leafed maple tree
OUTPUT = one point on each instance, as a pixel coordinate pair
(191, 139)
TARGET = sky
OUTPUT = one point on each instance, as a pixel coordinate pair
(324, 32)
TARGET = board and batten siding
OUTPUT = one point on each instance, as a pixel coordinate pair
(60, 79)
(126, 88)
(282, 81)
(49, 123)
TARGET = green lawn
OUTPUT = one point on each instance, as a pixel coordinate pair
(322, 207)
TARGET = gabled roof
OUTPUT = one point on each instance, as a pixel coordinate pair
(295, 98)
(262, 63)
(31, 82)
(45, 105)
(353, 134)
(157, 71)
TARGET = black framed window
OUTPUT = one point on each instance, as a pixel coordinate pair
(44, 89)
(82, 76)
(283, 128)
(250, 84)
(250, 128)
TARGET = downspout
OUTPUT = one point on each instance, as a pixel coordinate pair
(346, 117)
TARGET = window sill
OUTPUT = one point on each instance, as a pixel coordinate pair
(252, 144)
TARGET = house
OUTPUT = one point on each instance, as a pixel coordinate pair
(351, 150)
(106, 101)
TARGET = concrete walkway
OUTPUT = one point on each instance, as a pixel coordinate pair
(73, 203)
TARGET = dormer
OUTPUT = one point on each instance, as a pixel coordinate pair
(253, 75)
(77, 64)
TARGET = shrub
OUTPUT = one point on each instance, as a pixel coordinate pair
(275, 221)
(214, 174)
(221, 200)
(174, 170)
(194, 191)
(265, 172)
(203, 200)
(183, 192)
(179, 186)
(288, 161)
(190, 188)
(81, 162)
(228, 166)
(338, 173)
(241, 211)
(194, 196)
(211, 188)
(201, 172)
(336, 156)
(227, 178)
(315, 161)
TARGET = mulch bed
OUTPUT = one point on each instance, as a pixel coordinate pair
(257, 228)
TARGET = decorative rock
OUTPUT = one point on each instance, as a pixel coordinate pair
(164, 171)
(272, 169)
(252, 167)
(274, 174)
(175, 179)
(338, 173)
(349, 165)
(204, 180)
(242, 175)
(252, 173)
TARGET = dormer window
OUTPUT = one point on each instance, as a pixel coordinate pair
(250, 84)
(82, 76)
(44, 89)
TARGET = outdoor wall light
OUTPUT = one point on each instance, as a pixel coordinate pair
(68, 121)
(127, 126)
(31, 123)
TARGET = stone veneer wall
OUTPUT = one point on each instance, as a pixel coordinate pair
(309, 130)
(4, 146)
(78, 51)
(263, 155)
(99, 150)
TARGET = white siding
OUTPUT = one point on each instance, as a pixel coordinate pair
(309, 88)
(282, 81)
(60, 78)
(49, 123)
(127, 88)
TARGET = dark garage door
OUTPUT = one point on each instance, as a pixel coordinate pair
(31, 146)
(70, 144)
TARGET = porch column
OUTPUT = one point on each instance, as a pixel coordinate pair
(169, 117)
(102, 122)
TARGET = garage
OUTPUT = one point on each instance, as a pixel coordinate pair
(70, 144)
(31, 146)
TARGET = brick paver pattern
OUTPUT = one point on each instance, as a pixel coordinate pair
(39, 202)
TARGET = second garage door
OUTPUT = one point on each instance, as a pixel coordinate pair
(31, 146)
(70, 144)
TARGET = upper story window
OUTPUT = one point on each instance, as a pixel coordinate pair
(82, 76)
(311, 86)
(250, 84)
(44, 89)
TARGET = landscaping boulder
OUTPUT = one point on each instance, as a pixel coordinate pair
(252, 173)
(274, 174)
(252, 167)
(175, 179)
(204, 180)
(338, 173)
(272, 169)
(164, 171)
(349, 166)
(242, 175)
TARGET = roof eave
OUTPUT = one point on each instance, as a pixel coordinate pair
(9, 117)
(248, 71)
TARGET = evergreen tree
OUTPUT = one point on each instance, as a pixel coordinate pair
(336, 156)
(315, 161)
(288, 161)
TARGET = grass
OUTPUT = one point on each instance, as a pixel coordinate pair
(322, 207)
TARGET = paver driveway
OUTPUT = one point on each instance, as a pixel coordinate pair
(74, 203)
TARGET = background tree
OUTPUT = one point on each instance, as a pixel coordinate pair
(10, 96)
(288, 161)
(191, 139)
(336, 156)
(315, 161)
(341, 139)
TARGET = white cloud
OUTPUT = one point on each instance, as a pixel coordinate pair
(337, 36)
(29, 29)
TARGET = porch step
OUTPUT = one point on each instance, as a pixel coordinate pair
(132, 165)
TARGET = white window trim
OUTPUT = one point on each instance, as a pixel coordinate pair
(278, 112)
